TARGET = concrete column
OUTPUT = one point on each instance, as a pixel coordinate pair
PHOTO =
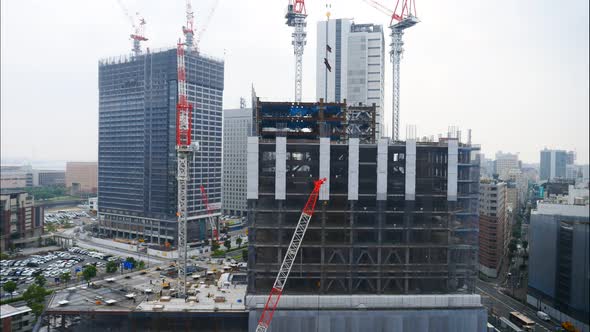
(382, 146)
(410, 170)
(325, 168)
(252, 169)
(353, 169)
(452, 172)
(281, 168)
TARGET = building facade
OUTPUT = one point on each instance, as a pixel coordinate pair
(237, 124)
(16, 319)
(43, 178)
(553, 164)
(137, 191)
(494, 230)
(559, 261)
(82, 177)
(356, 55)
(15, 177)
(394, 221)
(21, 222)
(505, 163)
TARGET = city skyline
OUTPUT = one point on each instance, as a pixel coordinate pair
(458, 60)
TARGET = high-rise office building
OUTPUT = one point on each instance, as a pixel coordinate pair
(237, 126)
(504, 163)
(395, 223)
(137, 191)
(553, 164)
(494, 230)
(356, 55)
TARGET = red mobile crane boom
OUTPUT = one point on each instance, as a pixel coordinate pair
(283, 275)
(214, 232)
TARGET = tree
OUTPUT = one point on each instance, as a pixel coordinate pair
(35, 297)
(227, 244)
(132, 261)
(245, 255)
(214, 246)
(525, 244)
(9, 287)
(40, 280)
(112, 267)
(66, 277)
(141, 265)
(239, 241)
(89, 272)
(512, 246)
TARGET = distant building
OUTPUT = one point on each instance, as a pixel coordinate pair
(504, 163)
(21, 222)
(16, 319)
(356, 55)
(494, 229)
(15, 177)
(559, 261)
(553, 164)
(93, 204)
(571, 157)
(82, 177)
(43, 178)
(237, 126)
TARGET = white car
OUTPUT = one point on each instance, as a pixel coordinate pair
(543, 316)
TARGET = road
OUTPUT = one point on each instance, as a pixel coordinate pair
(502, 305)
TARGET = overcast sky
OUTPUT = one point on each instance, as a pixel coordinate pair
(515, 72)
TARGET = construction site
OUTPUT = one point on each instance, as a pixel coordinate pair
(348, 229)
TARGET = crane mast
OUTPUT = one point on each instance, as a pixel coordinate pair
(296, 15)
(188, 29)
(214, 232)
(289, 259)
(183, 151)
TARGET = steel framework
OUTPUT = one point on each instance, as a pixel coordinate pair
(214, 231)
(296, 16)
(283, 275)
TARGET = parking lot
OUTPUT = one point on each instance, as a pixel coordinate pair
(51, 265)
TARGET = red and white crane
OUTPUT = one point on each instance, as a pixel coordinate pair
(183, 152)
(402, 17)
(138, 25)
(289, 259)
(214, 232)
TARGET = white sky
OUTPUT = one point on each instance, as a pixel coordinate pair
(515, 72)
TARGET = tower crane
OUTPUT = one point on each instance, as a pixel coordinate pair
(296, 15)
(402, 18)
(214, 232)
(289, 259)
(188, 29)
(138, 34)
(183, 152)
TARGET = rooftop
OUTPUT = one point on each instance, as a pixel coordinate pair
(9, 311)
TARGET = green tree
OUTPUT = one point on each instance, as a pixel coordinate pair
(112, 267)
(66, 277)
(9, 287)
(132, 261)
(40, 280)
(239, 242)
(89, 272)
(35, 297)
(512, 246)
(214, 245)
(227, 244)
(3, 256)
(525, 244)
(141, 265)
(245, 255)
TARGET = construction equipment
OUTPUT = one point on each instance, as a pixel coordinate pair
(295, 16)
(402, 18)
(138, 25)
(289, 259)
(214, 231)
(188, 29)
(183, 152)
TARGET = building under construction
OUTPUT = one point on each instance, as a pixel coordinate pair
(395, 227)
(138, 95)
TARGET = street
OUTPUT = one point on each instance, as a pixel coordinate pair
(502, 305)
